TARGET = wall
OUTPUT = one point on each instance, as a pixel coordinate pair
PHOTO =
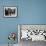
(7, 25)
(29, 12)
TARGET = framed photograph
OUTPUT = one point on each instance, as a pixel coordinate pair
(31, 32)
(10, 11)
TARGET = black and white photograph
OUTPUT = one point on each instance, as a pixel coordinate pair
(33, 32)
(10, 11)
(29, 34)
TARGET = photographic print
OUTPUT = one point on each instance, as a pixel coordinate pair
(32, 32)
(10, 11)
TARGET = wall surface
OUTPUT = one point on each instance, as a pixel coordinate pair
(7, 25)
(29, 12)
